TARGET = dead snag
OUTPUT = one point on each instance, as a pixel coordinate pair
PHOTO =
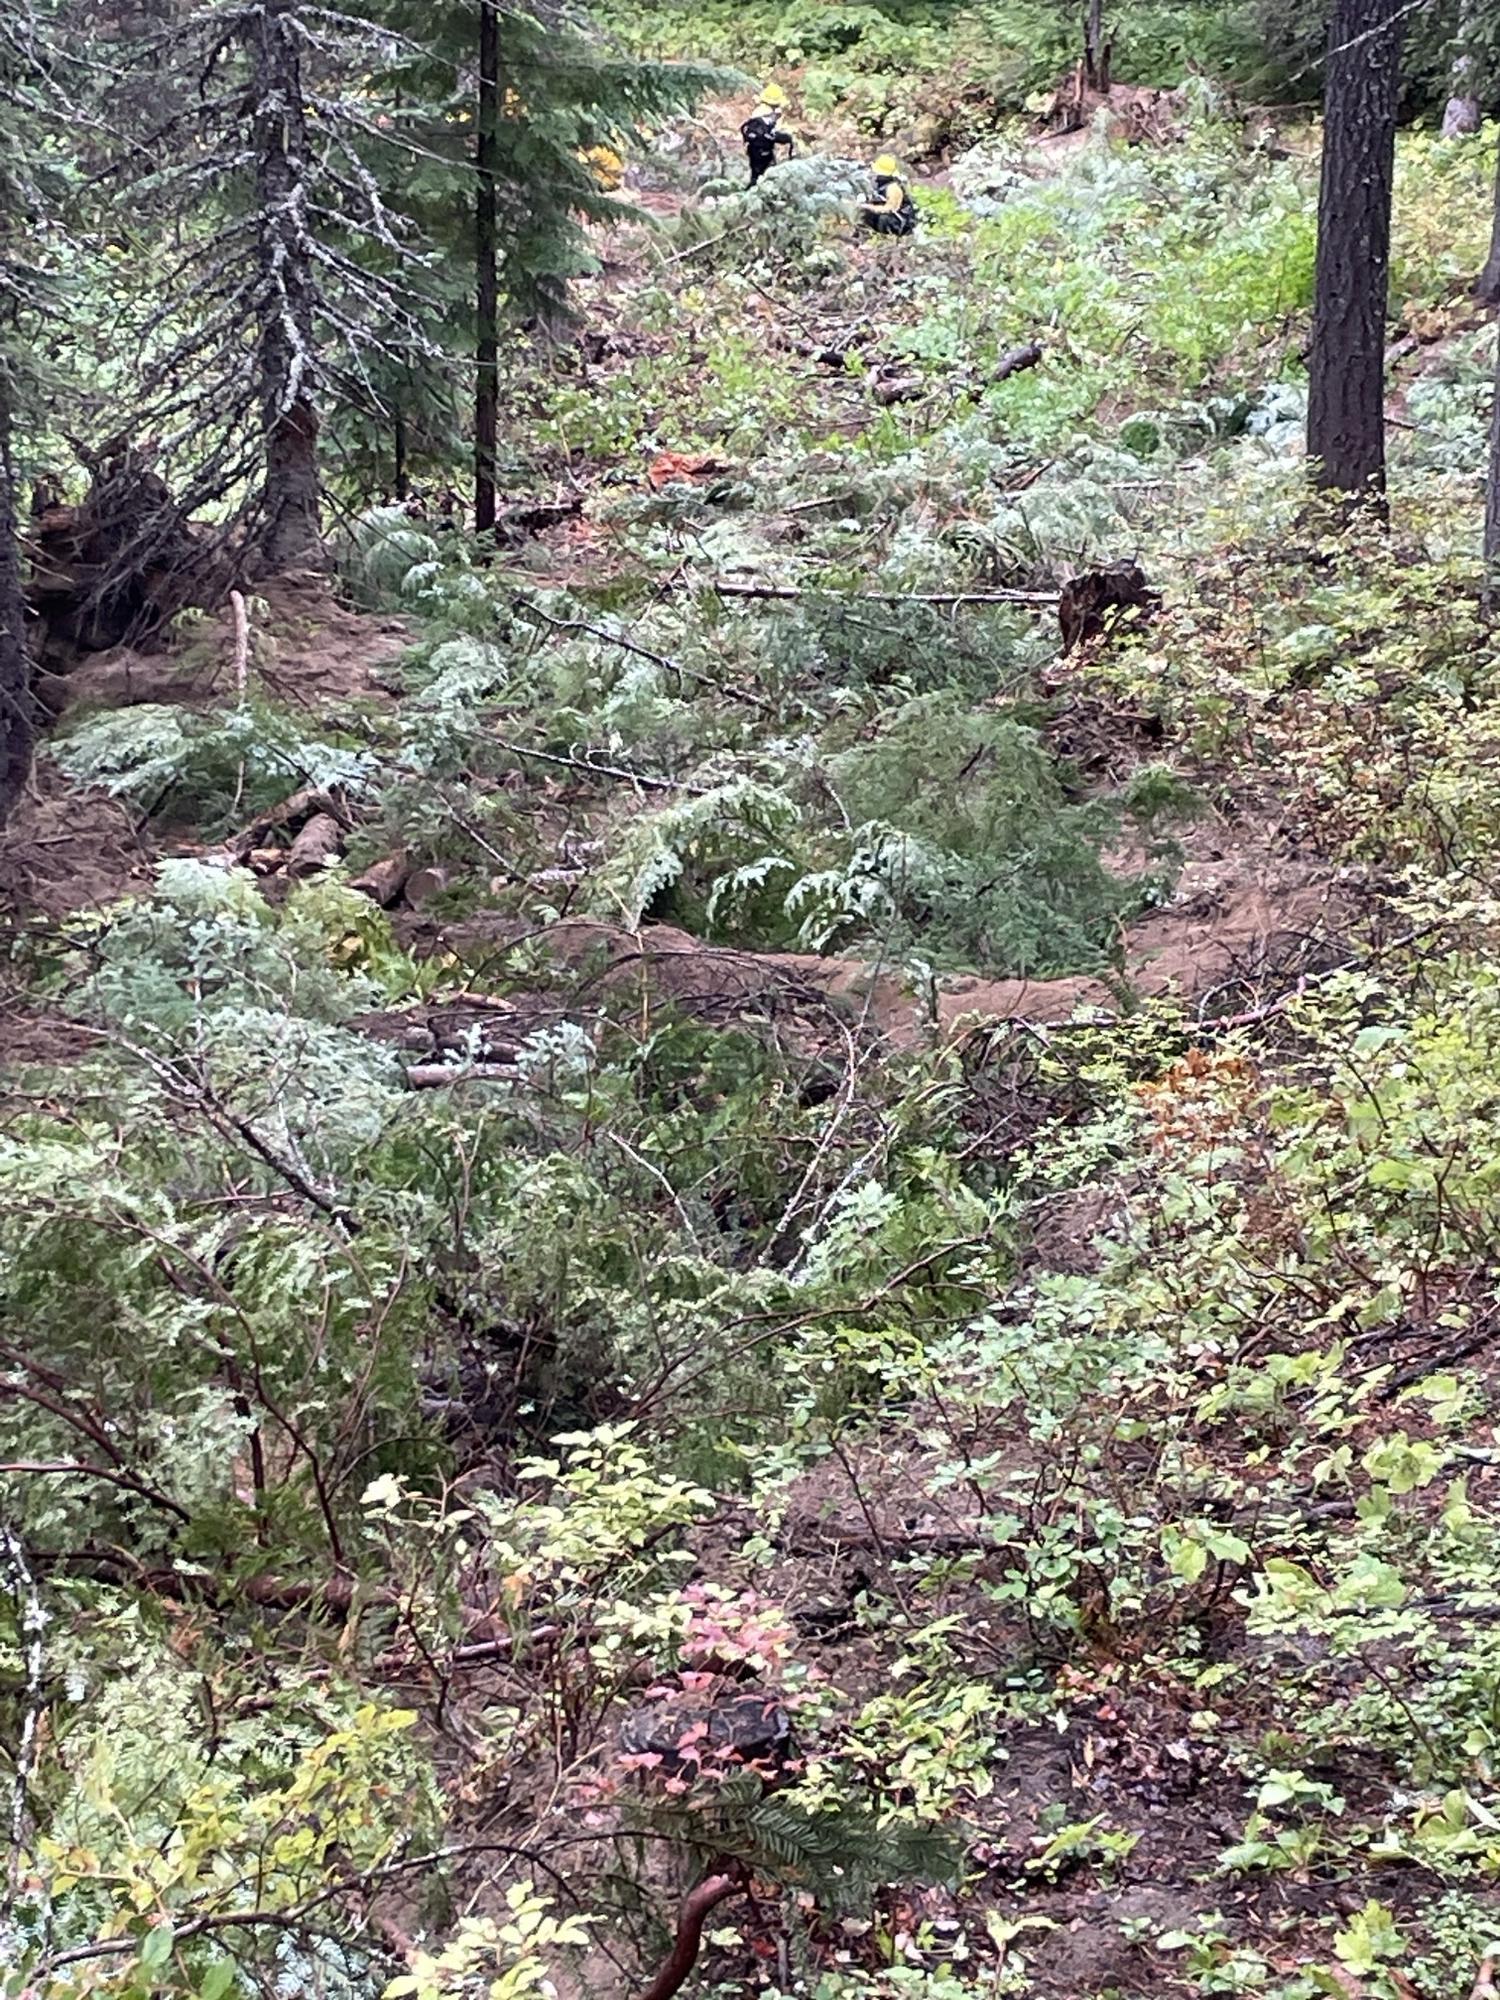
(1088, 599)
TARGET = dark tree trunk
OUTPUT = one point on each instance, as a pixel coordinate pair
(1096, 50)
(17, 713)
(486, 270)
(290, 534)
(1492, 479)
(1492, 503)
(1487, 285)
(401, 484)
(1346, 387)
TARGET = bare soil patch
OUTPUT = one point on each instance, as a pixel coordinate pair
(66, 849)
(1240, 918)
(304, 647)
(320, 650)
(32, 1039)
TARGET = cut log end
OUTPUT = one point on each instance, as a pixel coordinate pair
(383, 881)
(424, 885)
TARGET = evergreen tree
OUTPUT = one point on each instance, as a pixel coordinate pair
(1492, 477)
(504, 103)
(1096, 48)
(298, 285)
(1346, 386)
(25, 300)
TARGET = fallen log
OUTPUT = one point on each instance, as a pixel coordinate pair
(319, 842)
(290, 816)
(383, 881)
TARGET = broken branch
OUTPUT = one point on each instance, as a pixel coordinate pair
(729, 1880)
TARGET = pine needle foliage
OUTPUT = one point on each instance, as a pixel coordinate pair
(217, 766)
(562, 94)
(839, 1853)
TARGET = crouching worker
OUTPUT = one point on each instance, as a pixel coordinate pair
(761, 132)
(892, 212)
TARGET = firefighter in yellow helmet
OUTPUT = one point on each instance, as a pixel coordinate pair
(892, 212)
(761, 132)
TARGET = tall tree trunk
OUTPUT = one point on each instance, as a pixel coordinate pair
(401, 485)
(1487, 285)
(290, 533)
(17, 714)
(1096, 51)
(1461, 115)
(1491, 596)
(1491, 592)
(1346, 386)
(486, 269)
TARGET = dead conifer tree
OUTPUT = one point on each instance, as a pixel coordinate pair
(297, 284)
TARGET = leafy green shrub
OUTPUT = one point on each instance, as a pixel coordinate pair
(170, 1817)
(778, 222)
(989, 861)
(813, 28)
(387, 556)
(206, 943)
(216, 768)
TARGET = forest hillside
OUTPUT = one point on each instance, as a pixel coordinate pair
(750, 1009)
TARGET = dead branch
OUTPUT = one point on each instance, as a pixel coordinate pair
(590, 770)
(730, 1879)
(441, 1076)
(201, 1095)
(241, 643)
(792, 594)
(644, 653)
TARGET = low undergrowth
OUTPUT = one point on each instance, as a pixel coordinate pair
(493, 1438)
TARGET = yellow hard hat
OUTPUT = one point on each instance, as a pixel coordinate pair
(888, 164)
(773, 94)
